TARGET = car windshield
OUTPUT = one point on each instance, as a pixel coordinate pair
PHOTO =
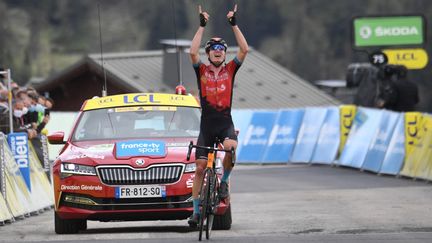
(138, 122)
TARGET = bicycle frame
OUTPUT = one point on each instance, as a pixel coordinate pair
(209, 198)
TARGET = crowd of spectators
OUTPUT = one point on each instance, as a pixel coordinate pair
(31, 111)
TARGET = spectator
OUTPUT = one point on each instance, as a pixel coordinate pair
(37, 112)
(3, 89)
(19, 110)
(49, 103)
(4, 117)
(406, 92)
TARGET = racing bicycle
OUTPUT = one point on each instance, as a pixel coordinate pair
(209, 198)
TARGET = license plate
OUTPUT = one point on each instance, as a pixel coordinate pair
(140, 191)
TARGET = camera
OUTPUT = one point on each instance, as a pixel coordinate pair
(392, 72)
(358, 73)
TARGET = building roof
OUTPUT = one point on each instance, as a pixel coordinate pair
(260, 83)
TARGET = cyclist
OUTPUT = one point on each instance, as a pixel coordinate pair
(215, 83)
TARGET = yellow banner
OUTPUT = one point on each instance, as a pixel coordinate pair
(140, 99)
(145, 108)
(16, 189)
(429, 159)
(347, 114)
(42, 191)
(413, 135)
(4, 210)
(423, 152)
(410, 58)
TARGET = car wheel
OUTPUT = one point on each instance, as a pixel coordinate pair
(68, 226)
(223, 222)
(82, 225)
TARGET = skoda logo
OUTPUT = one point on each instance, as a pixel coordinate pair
(365, 32)
(139, 162)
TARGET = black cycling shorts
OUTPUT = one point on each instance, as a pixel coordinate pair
(212, 129)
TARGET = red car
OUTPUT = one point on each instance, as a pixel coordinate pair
(126, 160)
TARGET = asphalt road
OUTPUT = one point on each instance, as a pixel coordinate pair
(280, 203)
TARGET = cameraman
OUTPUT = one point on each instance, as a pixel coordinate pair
(395, 91)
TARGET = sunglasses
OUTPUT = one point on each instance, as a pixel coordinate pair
(217, 47)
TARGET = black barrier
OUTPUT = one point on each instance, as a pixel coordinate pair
(46, 162)
(2, 166)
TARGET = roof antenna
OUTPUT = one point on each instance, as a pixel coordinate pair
(177, 47)
(104, 87)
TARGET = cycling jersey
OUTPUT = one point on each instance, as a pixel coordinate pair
(216, 91)
(216, 98)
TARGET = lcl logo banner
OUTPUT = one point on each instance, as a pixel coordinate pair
(410, 58)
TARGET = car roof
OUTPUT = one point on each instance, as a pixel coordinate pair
(140, 99)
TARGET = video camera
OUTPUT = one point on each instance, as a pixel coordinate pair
(358, 73)
(392, 72)
(375, 84)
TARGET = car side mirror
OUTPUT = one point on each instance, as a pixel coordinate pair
(56, 138)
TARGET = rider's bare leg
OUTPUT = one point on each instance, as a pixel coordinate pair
(228, 144)
(199, 173)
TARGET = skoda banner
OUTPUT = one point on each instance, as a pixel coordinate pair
(18, 143)
(388, 31)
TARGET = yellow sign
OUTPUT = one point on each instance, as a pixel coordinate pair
(347, 114)
(140, 99)
(410, 58)
(424, 152)
(413, 135)
(146, 108)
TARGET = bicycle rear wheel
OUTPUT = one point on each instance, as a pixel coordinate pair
(212, 200)
(204, 202)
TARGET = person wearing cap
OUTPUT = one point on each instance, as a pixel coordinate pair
(215, 84)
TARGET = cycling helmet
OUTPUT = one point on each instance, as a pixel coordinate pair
(214, 41)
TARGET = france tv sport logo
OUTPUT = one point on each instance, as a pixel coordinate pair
(140, 148)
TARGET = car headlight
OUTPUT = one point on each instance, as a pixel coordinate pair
(68, 169)
(191, 167)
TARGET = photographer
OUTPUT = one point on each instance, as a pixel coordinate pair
(395, 91)
(385, 87)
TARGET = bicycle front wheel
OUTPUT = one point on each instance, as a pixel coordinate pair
(204, 201)
(212, 203)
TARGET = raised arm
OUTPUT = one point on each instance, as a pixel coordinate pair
(196, 41)
(241, 40)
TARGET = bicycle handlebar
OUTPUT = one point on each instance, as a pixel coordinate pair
(191, 146)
